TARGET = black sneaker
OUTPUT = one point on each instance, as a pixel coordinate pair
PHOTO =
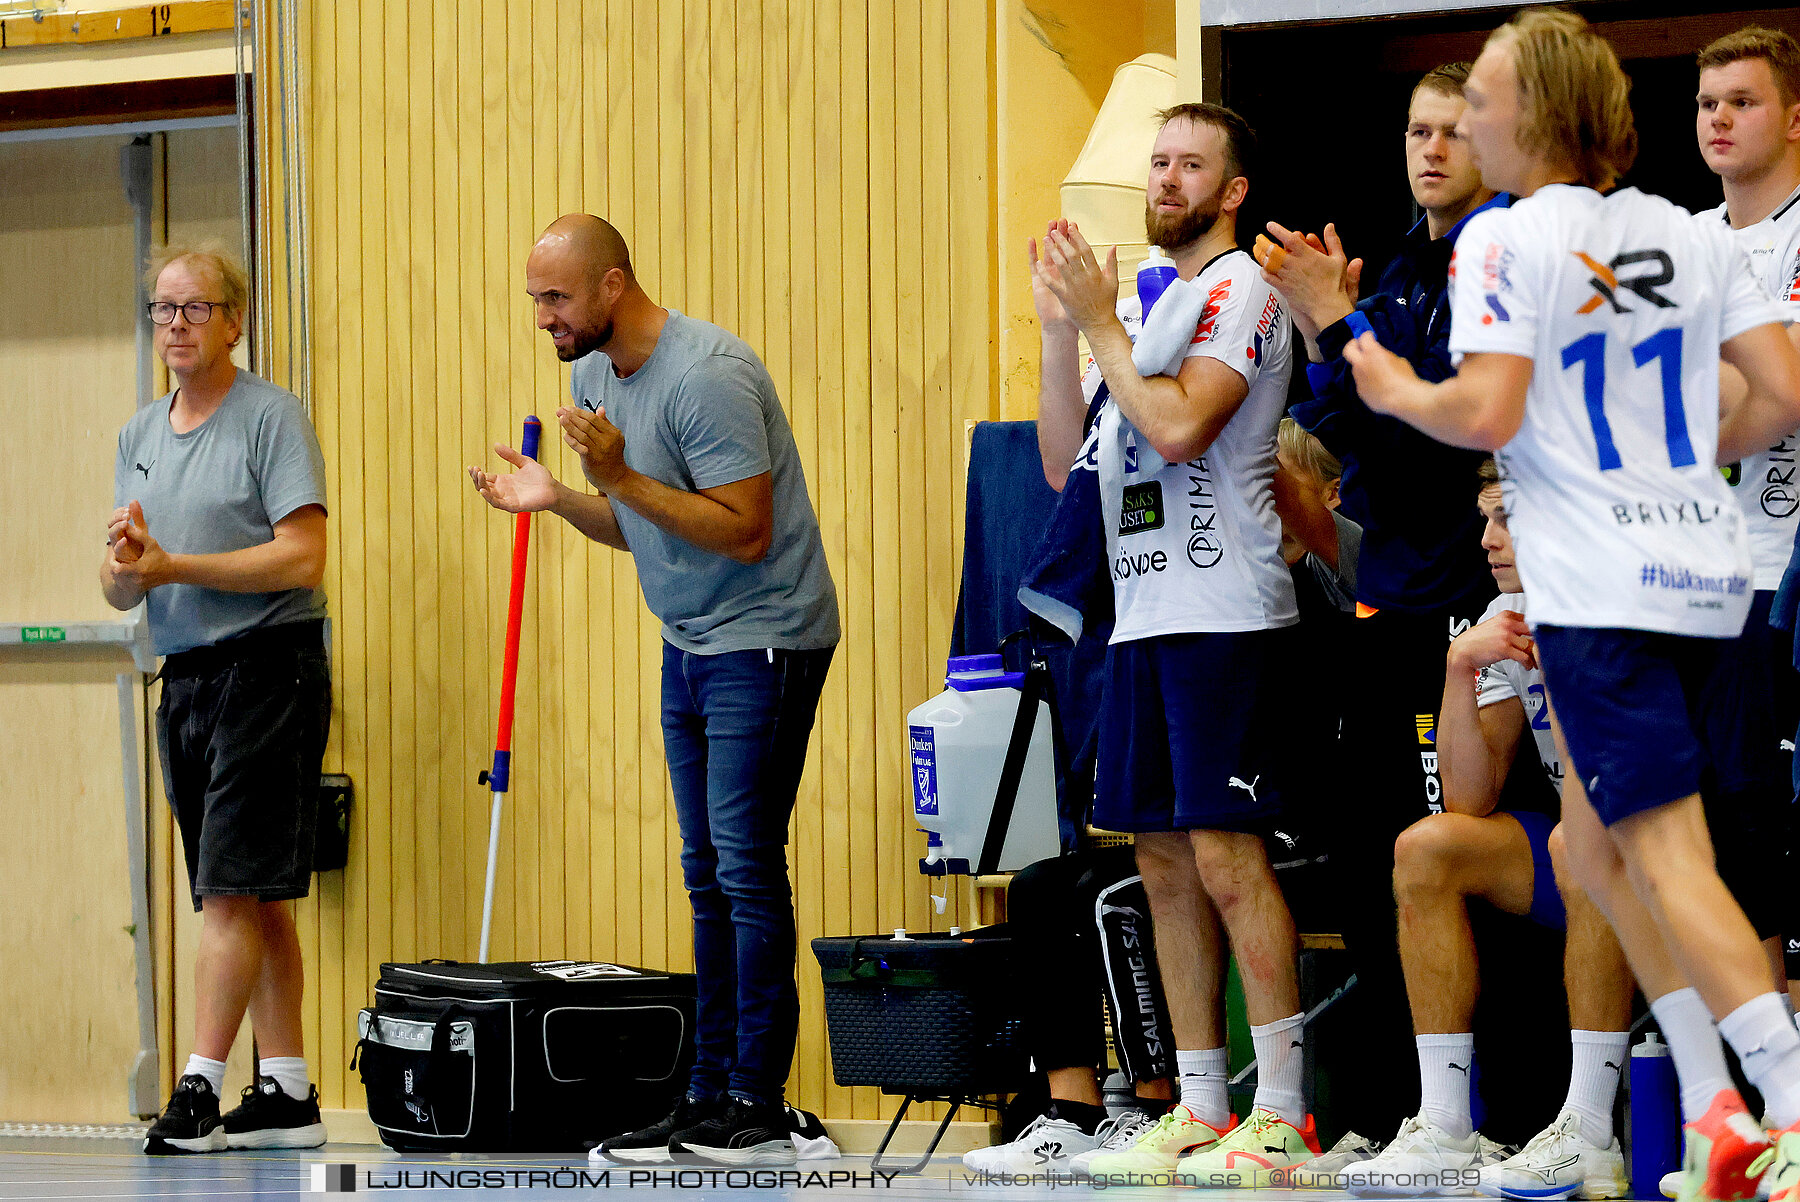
(811, 1140)
(269, 1118)
(189, 1123)
(743, 1133)
(651, 1144)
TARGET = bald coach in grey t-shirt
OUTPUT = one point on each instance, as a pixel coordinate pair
(701, 412)
(680, 432)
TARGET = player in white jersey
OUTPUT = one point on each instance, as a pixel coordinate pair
(1747, 122)
(1502, 852)
(1589, 322)
(1190, 733)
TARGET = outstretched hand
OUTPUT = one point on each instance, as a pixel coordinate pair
(1316, 278)
(1051, 314)
(528, 490)
(1087, 289)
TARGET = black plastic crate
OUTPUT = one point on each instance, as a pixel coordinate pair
(928, 1015)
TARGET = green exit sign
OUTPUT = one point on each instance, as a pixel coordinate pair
(43, 634)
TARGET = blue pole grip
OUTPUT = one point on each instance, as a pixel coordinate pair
(500, 773)
(528, 442)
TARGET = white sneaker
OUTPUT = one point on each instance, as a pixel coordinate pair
(1325, 1171)
(1559, 1162)
(1045, 1146)
(1115, 1135)
(1422, 1159)
(1670, 1185)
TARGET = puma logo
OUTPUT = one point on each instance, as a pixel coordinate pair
(1787, 744)
(144, 468)
(1235, 783)
(1461, 1068)
(1612, 1066)
(1296, 1044)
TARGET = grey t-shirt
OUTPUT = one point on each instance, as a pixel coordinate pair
(222, 486)
(702, 412)
(1339, 584)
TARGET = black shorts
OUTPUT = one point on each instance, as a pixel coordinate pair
(1191, 732)
(241, 730)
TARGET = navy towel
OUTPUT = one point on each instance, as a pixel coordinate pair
(1009, 508)
(1012, 517)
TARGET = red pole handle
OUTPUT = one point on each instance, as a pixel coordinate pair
(499, 774)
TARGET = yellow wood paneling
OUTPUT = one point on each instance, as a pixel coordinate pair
(65, 902)
(817, 178)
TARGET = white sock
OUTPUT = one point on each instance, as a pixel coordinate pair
(1203, 1082)
(289, 1073)
(1768, 1047)
(1599, 1057)
(1694, 1042)
(212, 1070)
(1445, 1063)
(1280, 1065)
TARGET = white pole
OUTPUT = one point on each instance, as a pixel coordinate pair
(487, 899)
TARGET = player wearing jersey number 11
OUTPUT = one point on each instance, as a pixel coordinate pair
(1588, 321)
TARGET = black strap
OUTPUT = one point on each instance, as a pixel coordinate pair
(1016, 748)
(437, 1063)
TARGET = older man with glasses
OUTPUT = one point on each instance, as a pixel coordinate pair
(220, 531)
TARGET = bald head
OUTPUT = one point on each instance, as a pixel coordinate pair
(579, 274)
(581, 238)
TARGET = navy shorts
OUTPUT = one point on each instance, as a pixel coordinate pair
(1651, 718)
(1546, 899)
(241, 730)
(1190, 732)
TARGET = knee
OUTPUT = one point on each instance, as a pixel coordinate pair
(1589, 862)
(1559, 862)
(1231, 866)
(751, 877)
(1426, 855)
(276, 920)
(233, 913)
(1166, 862)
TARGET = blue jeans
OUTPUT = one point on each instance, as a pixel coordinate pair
(735, 728)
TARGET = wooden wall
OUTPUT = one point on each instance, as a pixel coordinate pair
(68, 1017)
(816, 177)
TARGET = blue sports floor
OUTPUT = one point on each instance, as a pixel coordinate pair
(77, 1168)
(63, 1168)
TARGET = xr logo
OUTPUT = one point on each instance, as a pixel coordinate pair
(1607, 283)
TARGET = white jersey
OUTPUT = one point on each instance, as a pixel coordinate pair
(1765, 483)
(1618, 515)
(1198, 544)
(1509, 678)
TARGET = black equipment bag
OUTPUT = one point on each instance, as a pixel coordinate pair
(550, 1056)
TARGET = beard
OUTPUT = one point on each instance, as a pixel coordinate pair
(1178, 230)
(585, 341)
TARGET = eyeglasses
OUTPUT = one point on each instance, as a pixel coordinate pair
(197, 312)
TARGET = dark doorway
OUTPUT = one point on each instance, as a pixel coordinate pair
(1328, 101)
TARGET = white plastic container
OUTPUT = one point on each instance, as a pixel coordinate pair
(958, 748)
